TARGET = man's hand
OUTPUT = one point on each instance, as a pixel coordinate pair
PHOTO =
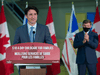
(86, 37)
(84, 41)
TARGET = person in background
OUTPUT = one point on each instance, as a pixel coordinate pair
(86, 41)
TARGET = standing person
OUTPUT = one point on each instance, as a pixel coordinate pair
(23, 33)
(32, 31)
(86, 41)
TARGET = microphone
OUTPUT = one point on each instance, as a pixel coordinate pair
(33, 36)
(33, 32)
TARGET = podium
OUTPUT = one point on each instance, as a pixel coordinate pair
(32, 54)
(24, 71)
(33, 71)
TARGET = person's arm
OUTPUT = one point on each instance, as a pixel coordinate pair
(78, 42)
(47, 36)
(16, 38)
(93, 44)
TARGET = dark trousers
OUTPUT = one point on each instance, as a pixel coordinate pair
(91, 69)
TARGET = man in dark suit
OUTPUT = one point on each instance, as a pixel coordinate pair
(40, 32)
(32, 31)
(86, 41)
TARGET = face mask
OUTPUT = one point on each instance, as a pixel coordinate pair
(86, 29)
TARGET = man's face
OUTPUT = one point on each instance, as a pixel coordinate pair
(31, 16)
(87, 25)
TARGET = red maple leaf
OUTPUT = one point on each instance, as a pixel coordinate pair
(3, 41)
(98, 48)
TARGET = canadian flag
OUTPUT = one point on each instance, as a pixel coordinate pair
(50, 24)
(96, 29)
(55, 68)
(5, 69)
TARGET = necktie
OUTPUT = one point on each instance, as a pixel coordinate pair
(31, 34)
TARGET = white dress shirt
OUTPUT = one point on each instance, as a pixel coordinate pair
(29, 29)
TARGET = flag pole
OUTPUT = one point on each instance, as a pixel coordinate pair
(26, 4)
(72, 2)
(49, 3)
(2, 2)
(96, 3)
(71, 17)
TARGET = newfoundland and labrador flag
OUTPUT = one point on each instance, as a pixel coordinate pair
(25, 19)
(68, 52)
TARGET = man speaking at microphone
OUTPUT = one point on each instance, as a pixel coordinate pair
(32, 31)
(86, 41)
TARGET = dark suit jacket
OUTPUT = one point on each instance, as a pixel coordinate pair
(42, 34)
(86, 52)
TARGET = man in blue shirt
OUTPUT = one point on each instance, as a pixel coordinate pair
(32, 31)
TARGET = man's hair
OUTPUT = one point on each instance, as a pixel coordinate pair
(31, 7)
(86, 21)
